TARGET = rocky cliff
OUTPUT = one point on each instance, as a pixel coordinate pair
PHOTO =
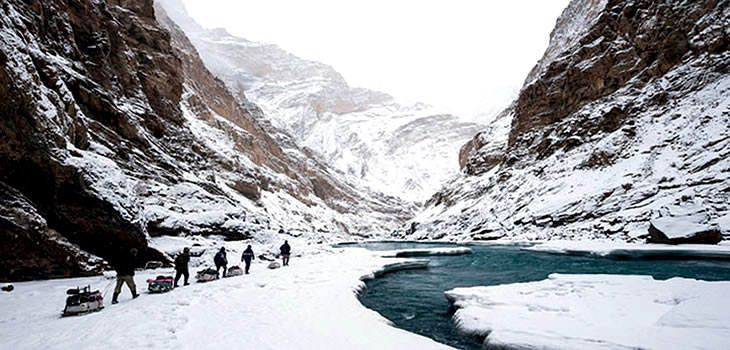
(113, 132)
(364, 134)
(625, 119)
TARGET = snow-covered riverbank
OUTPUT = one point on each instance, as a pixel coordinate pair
(311, 304)
(615, 249)
(597, 312)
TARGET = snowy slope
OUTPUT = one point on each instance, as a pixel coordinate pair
(619, 125)
(402, 150)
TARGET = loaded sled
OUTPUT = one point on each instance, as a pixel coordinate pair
(234, 271)
(206, 275)
(82, 300)
(161, 284)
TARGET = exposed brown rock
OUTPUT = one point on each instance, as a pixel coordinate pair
(247, 188)
(638, 40)
(100, 53)
(30, 249)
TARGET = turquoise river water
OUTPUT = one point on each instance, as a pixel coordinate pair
(414, 299)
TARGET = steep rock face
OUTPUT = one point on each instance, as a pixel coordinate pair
(68, 70)
(362, 133)
(113, 131)
(33, 250)
(282, 176)
(628, 45)
(624, 119)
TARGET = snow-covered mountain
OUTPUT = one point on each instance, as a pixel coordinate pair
(624, 120)
(113, 132)
(402, 150)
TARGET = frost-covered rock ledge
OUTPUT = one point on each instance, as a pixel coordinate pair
(308, 305)
(450, 251)
(613, 249)
(583, 312)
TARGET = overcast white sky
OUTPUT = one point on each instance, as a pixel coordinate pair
(465, 56)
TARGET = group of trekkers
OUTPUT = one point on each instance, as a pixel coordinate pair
(125, 266)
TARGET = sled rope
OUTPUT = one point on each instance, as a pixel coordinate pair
(106, 289)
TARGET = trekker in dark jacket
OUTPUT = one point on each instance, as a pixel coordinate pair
(285, 252)
(181, 266)
(221, 261)
(247, 257)
(124, 266)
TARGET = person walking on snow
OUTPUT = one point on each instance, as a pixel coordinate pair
(181, 266)
(285, 252)
(221, 261)
(124, 266)
(247, 257)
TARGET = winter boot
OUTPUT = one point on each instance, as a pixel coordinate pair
(134, 294)
(114, 298)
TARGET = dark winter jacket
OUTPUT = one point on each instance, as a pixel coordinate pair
(285, 249)
(247, 254)
(125, 264)
(181, 262)
(220, 259)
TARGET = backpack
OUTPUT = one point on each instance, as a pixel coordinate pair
(220, 258)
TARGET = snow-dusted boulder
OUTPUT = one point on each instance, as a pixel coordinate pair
(724, 223)
(684, 229)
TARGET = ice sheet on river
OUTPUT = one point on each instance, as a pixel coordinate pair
(406, 253)
(597, 312)
(633, 250)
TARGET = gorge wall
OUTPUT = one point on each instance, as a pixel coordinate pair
(113, 131)
(625, 119)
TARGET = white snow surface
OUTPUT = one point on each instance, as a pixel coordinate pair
(678, 227)
(310, 304)
(598, 312)
(621, 249)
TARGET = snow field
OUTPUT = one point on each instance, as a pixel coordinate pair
(308, 305)
(597, 312)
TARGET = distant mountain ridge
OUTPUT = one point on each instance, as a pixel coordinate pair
(407, 151)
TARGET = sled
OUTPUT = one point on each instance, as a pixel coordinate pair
(234, 271)
(161, 284)
(206, 275)
(82, 301)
